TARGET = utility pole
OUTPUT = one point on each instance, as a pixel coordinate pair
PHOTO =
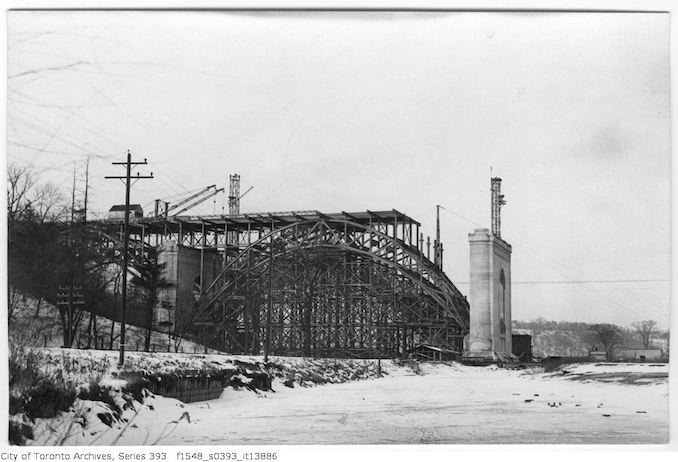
(128, 176)
(437, 254)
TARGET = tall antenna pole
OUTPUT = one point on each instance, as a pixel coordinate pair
(497, 202)
(128, 176)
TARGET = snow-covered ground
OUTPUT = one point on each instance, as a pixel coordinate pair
(613, 368)
(447, 403)
(38, 325)
(81, 366)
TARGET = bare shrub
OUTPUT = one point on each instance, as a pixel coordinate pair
(32, 391)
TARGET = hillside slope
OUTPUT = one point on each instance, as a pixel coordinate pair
(38, 324)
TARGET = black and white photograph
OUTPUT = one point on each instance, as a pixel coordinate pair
(275, 227)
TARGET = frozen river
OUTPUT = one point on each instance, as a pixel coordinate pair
(445, 405)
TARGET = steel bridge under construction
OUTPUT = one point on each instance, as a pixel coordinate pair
(358, 284)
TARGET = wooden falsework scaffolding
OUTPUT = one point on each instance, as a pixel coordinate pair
(315, 284)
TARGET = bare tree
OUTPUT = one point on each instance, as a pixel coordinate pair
(28, 199)
(14, 296)
(31, 208)
(48, 203)
(20, 182)
(645, 330)
(609, 337)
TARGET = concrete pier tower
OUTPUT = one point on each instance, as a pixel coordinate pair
(490, 287)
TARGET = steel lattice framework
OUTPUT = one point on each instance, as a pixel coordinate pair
(308, 283)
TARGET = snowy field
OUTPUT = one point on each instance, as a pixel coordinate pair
(447, 403)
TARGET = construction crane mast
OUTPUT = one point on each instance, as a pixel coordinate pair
(497, 202)
(234, 195)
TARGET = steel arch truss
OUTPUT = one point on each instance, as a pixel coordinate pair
(330, 287)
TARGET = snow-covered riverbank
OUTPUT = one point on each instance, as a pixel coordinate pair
(448, 403)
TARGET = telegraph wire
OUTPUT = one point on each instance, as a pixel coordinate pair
(590, 281)
(581, 283)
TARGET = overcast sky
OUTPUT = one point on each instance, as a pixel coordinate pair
(356, 111)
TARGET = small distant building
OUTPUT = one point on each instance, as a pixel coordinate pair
(521, 344)
(642, 355)
(433, 353)
(117, 212)
(595, 355)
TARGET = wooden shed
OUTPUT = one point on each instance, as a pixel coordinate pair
(521, 344)
(432, 353)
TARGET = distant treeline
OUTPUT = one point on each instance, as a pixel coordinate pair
(567, 338)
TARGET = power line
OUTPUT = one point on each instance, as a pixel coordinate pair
(165, 174)
(63, 137)
(582, 283)
(591, 281)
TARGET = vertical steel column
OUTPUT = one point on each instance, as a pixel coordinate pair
(165, 221)
(371, 337)
(394, 312)
(202, 257)
(267, 344)
(225, 246)
(143, 242)
(250, 315)
(344, 298)
(225, 276)
(295, 338)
